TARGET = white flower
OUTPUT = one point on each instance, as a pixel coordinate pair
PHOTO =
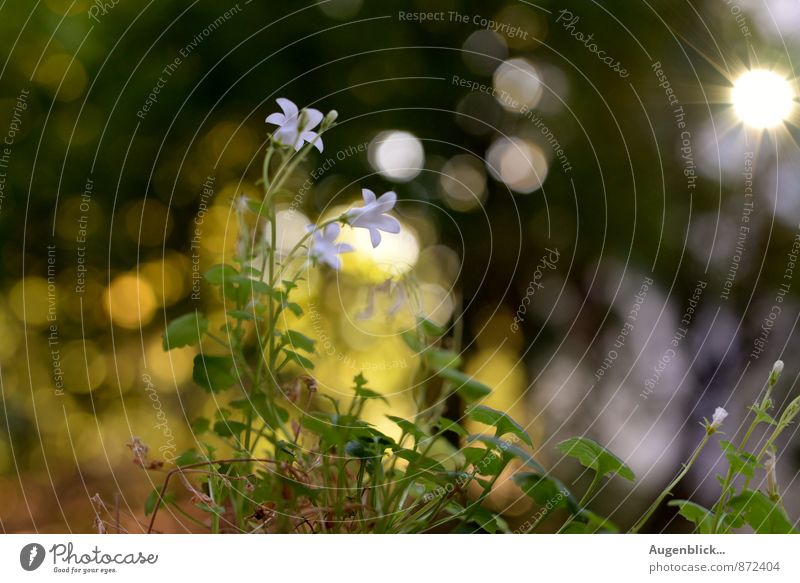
(324, 248)
(719, 416)
(294, 127)
(372, 216)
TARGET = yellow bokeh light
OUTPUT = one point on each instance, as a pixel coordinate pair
(62, 76)
(130, 301)
(762, 99)
(28, 299)
(396, 255)
(168, 277)
(83, 365)
(67, 7)
(9, 335)
(168, 370)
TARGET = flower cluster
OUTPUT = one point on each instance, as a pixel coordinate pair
(295, 128)
(372, 216)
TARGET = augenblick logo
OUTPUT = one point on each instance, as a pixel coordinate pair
(31, 556)
(66, 559)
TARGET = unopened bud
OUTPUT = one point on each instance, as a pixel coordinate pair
(772, 480)
(777, 369)
(790, 412)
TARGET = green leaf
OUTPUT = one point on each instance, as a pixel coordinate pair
(499, 420)
(258, 404)
(761, 513)
(251, 286)
(255, 206)
(229, 428)
(492, 464)
(741, 462)
(200, 425)
(430, 328)
(545, 489)
(509, 450)
(190, 456)
(593, 455)
(292, 356)
(408, 427)
(219, 274)
(213, 373)
(701, 517)
(412, 340)
(470, 389)
(588, 522)
(762, 416)
(243, 315)
(444, 424)
(485, 519)
(368, 446)
(152, 498)
(334, 428)
(438, 359)
(360, 380)
(473, 455)
(365, 393)
(294, 308)
(185, 331)
(297, 340)
(419, 462)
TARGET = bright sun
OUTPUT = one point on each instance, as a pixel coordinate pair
(762, 99)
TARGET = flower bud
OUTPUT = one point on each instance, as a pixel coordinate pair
(777, 369)
(790, 413)
(772, 480)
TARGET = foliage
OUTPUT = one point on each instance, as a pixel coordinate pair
(301, 461)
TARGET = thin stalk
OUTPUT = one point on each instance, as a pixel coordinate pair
(583, 501)
(682, 474)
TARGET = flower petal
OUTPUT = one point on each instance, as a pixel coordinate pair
(332, 231)
(368, 195)
(288, 107)
(388, 198)
(275, 118)
(312, 118)
(312, 138)
(385, 223)
(375, 237)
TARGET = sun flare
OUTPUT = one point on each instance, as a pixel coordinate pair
(762, 99)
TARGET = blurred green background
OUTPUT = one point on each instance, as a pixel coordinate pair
(503, 145)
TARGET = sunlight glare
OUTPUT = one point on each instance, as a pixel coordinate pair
(762, 99)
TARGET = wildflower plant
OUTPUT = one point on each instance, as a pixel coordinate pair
(295, 459)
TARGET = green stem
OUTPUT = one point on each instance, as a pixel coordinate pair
(668, 490)
(586, 497)
(730, 476)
